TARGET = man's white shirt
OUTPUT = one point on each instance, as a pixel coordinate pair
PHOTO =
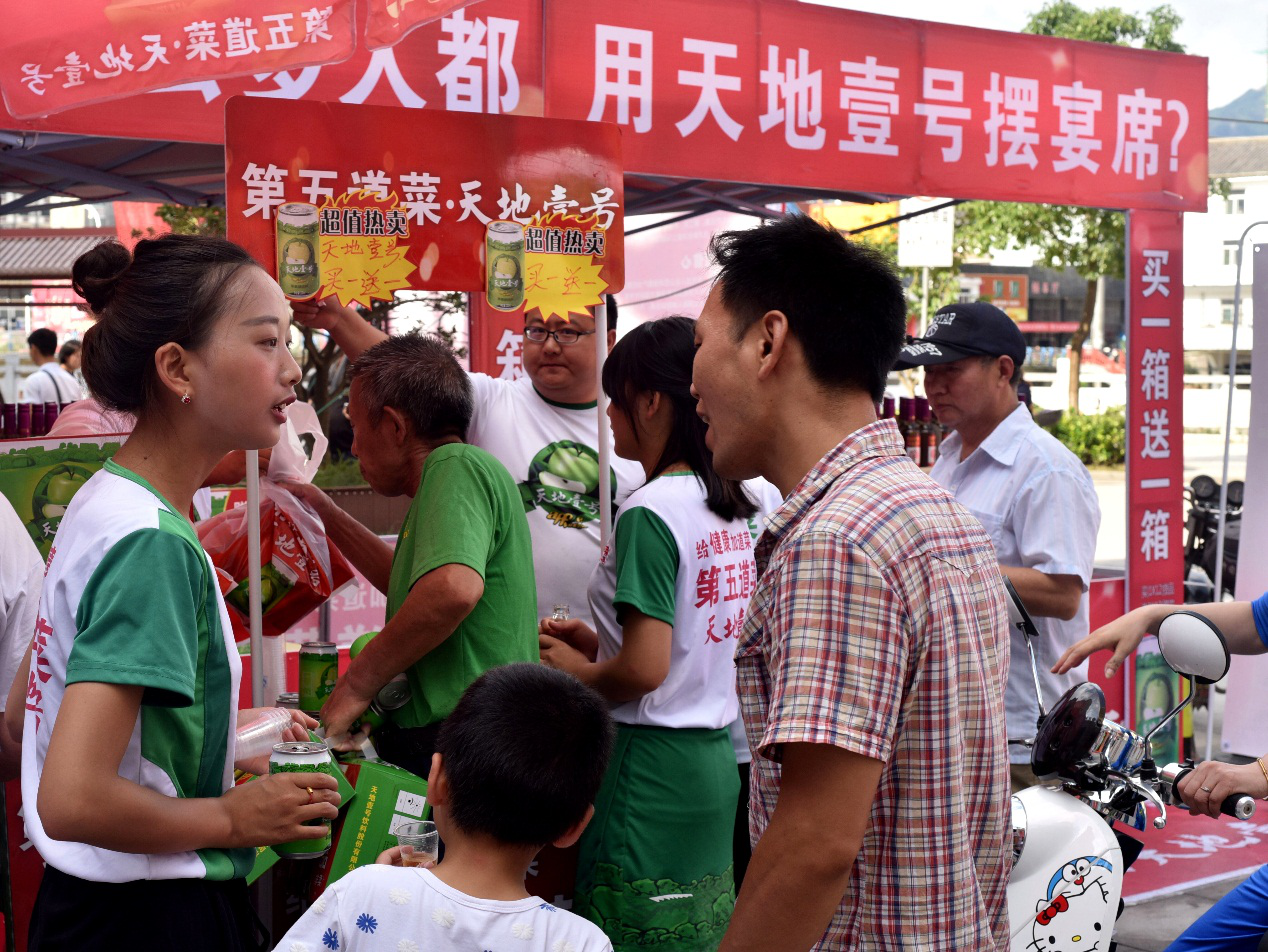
(1037, 502)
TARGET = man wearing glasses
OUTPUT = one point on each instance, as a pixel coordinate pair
(544, 429)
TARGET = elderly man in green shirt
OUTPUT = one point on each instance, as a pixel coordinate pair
(460, 590)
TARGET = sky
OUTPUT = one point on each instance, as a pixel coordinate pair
(1232, 34)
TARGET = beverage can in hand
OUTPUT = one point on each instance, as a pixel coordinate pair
(304, 757)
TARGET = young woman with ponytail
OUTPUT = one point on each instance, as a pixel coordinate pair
(668, 598)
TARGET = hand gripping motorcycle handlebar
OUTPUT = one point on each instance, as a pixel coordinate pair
(1240, 806)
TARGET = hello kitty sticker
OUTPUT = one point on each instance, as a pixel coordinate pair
(1076, 916)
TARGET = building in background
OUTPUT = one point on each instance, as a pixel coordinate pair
(1210, 256)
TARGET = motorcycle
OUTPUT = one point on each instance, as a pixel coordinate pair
(1200, 530)
(1070, 844)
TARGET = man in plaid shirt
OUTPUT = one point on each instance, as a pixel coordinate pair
(872, 665)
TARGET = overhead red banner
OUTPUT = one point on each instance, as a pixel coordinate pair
(441, 65)
(774, 91)
(770, 91)
(388, 21)
(1155, 406)
(83, 51)
(363, 201)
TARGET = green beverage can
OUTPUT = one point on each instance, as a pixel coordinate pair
(318, 672)
(304, 757)
(298, 248)
(393, 695)
(504, 264)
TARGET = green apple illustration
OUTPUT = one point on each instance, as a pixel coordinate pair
(567, 468)
(53, 494)
(563, 480)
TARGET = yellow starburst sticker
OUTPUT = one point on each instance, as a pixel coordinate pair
(559, 283)
(367, 261)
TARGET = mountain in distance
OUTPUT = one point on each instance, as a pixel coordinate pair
(1249, 105)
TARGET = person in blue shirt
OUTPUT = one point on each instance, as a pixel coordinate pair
(1239, 921)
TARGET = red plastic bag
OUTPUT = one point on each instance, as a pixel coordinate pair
(299, 567)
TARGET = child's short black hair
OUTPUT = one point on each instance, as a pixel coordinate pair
(524, 753)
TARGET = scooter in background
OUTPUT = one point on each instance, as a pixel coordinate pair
(1070, 843)
(1201, 528)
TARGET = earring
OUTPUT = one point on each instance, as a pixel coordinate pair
(186, 399)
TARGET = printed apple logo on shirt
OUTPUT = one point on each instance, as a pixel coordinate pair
(563, 481)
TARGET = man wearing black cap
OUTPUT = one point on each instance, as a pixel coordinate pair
(1034, 497)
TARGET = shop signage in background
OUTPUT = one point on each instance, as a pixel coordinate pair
(1155, 441)
(363, 201)
(926, 240)
(1008, 292)
(40, 477)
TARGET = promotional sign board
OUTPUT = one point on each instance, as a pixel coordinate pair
(1155, 443)
(928, 239)
(363, 201)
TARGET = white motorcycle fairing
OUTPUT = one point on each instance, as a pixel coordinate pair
(1064, 891)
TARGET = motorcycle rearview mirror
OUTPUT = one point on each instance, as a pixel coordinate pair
(1193, 646)
(1204, 488)
(1236, 492)
(1020, 618)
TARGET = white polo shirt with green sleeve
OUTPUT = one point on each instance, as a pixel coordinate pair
(129, 598)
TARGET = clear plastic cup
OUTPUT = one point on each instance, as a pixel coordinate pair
(258, 737)
(419, 843)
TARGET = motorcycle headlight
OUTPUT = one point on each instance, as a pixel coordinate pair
(1019, 825)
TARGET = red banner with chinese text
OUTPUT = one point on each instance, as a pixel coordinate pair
(1155, 427)
(90, 51)
(397, 200)
(772, 91)
(449, 64)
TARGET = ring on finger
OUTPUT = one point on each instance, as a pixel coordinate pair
(1205, 789)
(310, 793)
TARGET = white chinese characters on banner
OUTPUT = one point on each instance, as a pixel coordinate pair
(1155, 374)
(201, 41)
(869, 100)
(623, 72)
(1155, 279)
(1155, 435)
(1155, 535)
(510, 355)
(419, 195)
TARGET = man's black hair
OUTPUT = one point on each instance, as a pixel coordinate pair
(524, 752)
(843, 300)
(43, 340)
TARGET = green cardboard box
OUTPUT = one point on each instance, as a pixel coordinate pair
(387, 797)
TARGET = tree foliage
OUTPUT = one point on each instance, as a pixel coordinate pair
(1092, 241)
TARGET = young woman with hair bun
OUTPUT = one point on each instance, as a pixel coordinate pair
(128, 760)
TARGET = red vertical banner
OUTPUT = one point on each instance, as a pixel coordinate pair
(1155, 425)
(1155, 451)
(497, 339)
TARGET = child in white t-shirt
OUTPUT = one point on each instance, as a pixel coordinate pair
(517, 766)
